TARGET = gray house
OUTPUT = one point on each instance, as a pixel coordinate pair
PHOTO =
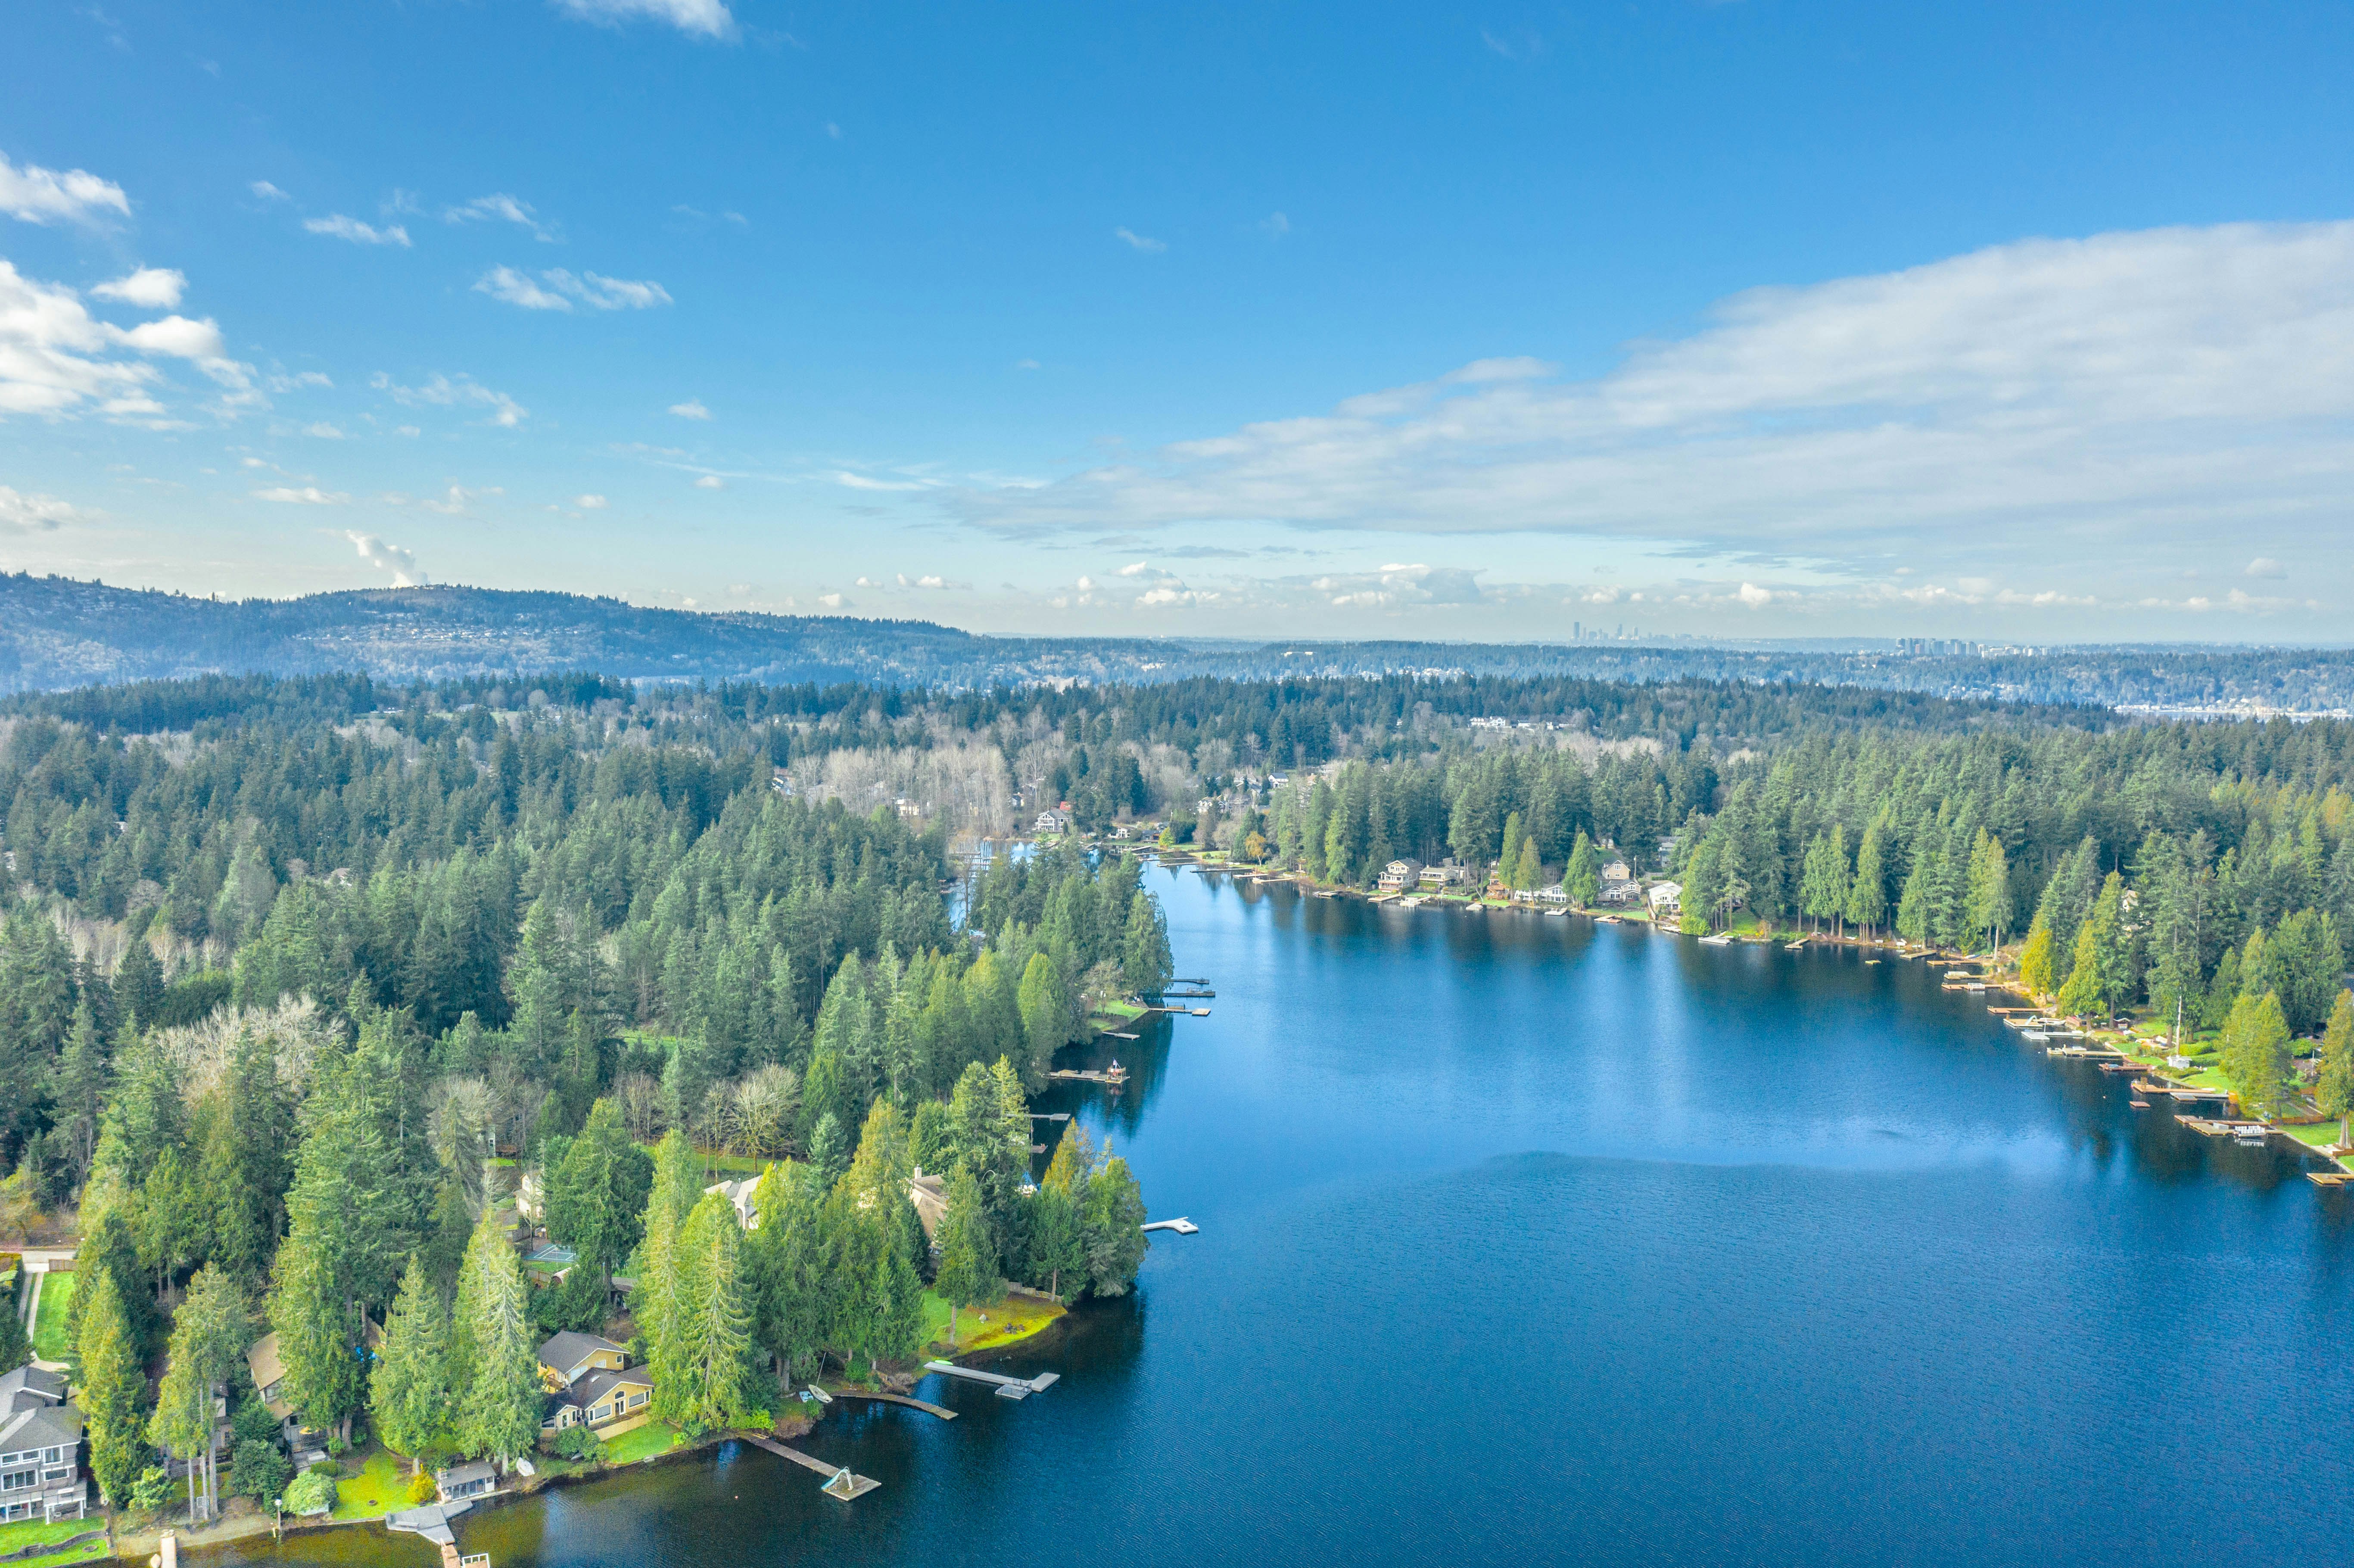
(40, 1450)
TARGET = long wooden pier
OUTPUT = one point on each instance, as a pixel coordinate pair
(1007, 1387)
(926, 1405)
(839, 1482)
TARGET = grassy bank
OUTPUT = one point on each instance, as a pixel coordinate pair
(991, 1327)
(50, 1322)
(16, 1536)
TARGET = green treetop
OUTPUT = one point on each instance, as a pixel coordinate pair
(112, 1379)
(967, 1269)
(2335, 1088)
(2256, 1053)
(493, 1364)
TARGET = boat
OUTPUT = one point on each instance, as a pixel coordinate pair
(2138, 1104)
(1719, 940)
(1792, 947)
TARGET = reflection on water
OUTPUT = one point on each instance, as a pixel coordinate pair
(1530, 1240)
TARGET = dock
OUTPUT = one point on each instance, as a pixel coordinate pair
(839, 1482)
(433, 1524)
(1007, 1387)
(1183, 1228)
(2328, 1178)
(1115, 1076)
(926, 1405)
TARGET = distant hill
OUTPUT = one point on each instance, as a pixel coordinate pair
(56, 632)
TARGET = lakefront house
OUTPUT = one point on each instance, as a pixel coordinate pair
(591, 1384)
(40, 1450)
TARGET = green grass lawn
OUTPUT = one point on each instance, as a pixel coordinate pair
(1015, 1317)
(380, 1488)
(16, 1536)
(49, 1325)
(654, 1437)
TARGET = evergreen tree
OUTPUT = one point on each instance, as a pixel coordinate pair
(1145, 959)
(1988, 902)
(2254, 1055)
(208, 1332)
(1112, 1222)
(1583, 880)
(317, 1331)
(1046, 1015)
(2334, 1089)
(112, 1379)
(702, 1365)
(493, 1367)
(1528, 872)
(596, 1195)
(16, 1342)
(409, 1393)
(968, 1270)
(1867, 900)
(784, 1259)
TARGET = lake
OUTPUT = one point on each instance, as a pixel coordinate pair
(1527, 1239)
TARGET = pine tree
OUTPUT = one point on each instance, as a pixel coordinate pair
(316, 1334)
(1145, 959)
(1112, 1220)
(409, 1391)
(1988, 902)
(2035, 960)
(493, 1369)
(785, 1260)
(1046, 1015)
(15, 1342)
(1528, 873)
(596, 1195)
(112, 1379)
(968, 1270)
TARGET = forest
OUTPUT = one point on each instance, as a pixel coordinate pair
(304, 1021)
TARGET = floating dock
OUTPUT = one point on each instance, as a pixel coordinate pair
(1183, 1228)
(1007, 1387)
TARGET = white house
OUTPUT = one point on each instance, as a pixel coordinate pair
(1052, 821)
(1667, 898)
(1401, 875)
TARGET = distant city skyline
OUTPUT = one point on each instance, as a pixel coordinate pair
(2028, 325)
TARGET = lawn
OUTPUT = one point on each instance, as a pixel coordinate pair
(16, 1536)
(49, 1325)
(1015, 1317)
(381, 1487)
(645, 1443)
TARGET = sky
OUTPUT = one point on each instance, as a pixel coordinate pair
(2026, 323)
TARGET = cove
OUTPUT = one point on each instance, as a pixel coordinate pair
(1527, 1239)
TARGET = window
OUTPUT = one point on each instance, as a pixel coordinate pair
(636, 1400)
(53, 1455)
(14, 1480)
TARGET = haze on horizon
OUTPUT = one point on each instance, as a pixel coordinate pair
(2033, 323)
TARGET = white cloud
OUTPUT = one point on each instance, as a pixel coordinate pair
(304, 496)
(400, 563)
(692, 409)
(590, 289)
(267, 192)
(832, 600)
(1755, 597)
(43, 196)
(444, 392)
(1276, 225)
(833, 130)
(704, 18)
(2265, 567)
(2118, 403)
(860, 481)
(407, 430)
(590, 503)
(503, 208)
(323, 432)
(338, 226)
(22, 513)
(1026, 365)
(865, 582)
(1142, 242)
(55, 357)
(453, 502)
(278, 381)
(710, 481)
(150, 288)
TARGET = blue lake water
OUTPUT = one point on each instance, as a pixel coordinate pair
(1526, 1239)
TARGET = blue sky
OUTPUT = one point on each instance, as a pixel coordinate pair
(2026, 322)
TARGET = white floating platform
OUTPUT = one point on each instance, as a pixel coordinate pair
(1183, 1228)
(1007, 1387)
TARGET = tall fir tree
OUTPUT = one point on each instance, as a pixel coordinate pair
(493, 1365)
(409, 1391)
(112, 1381)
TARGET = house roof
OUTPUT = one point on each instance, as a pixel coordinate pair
(30, 1388)
(604, 1381)
(263, 1359)
(466, 1473)
(43, 1426)
(568, 1350)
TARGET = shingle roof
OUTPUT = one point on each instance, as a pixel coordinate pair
(568, 1350)
(43, 1426)
(29, 1387)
